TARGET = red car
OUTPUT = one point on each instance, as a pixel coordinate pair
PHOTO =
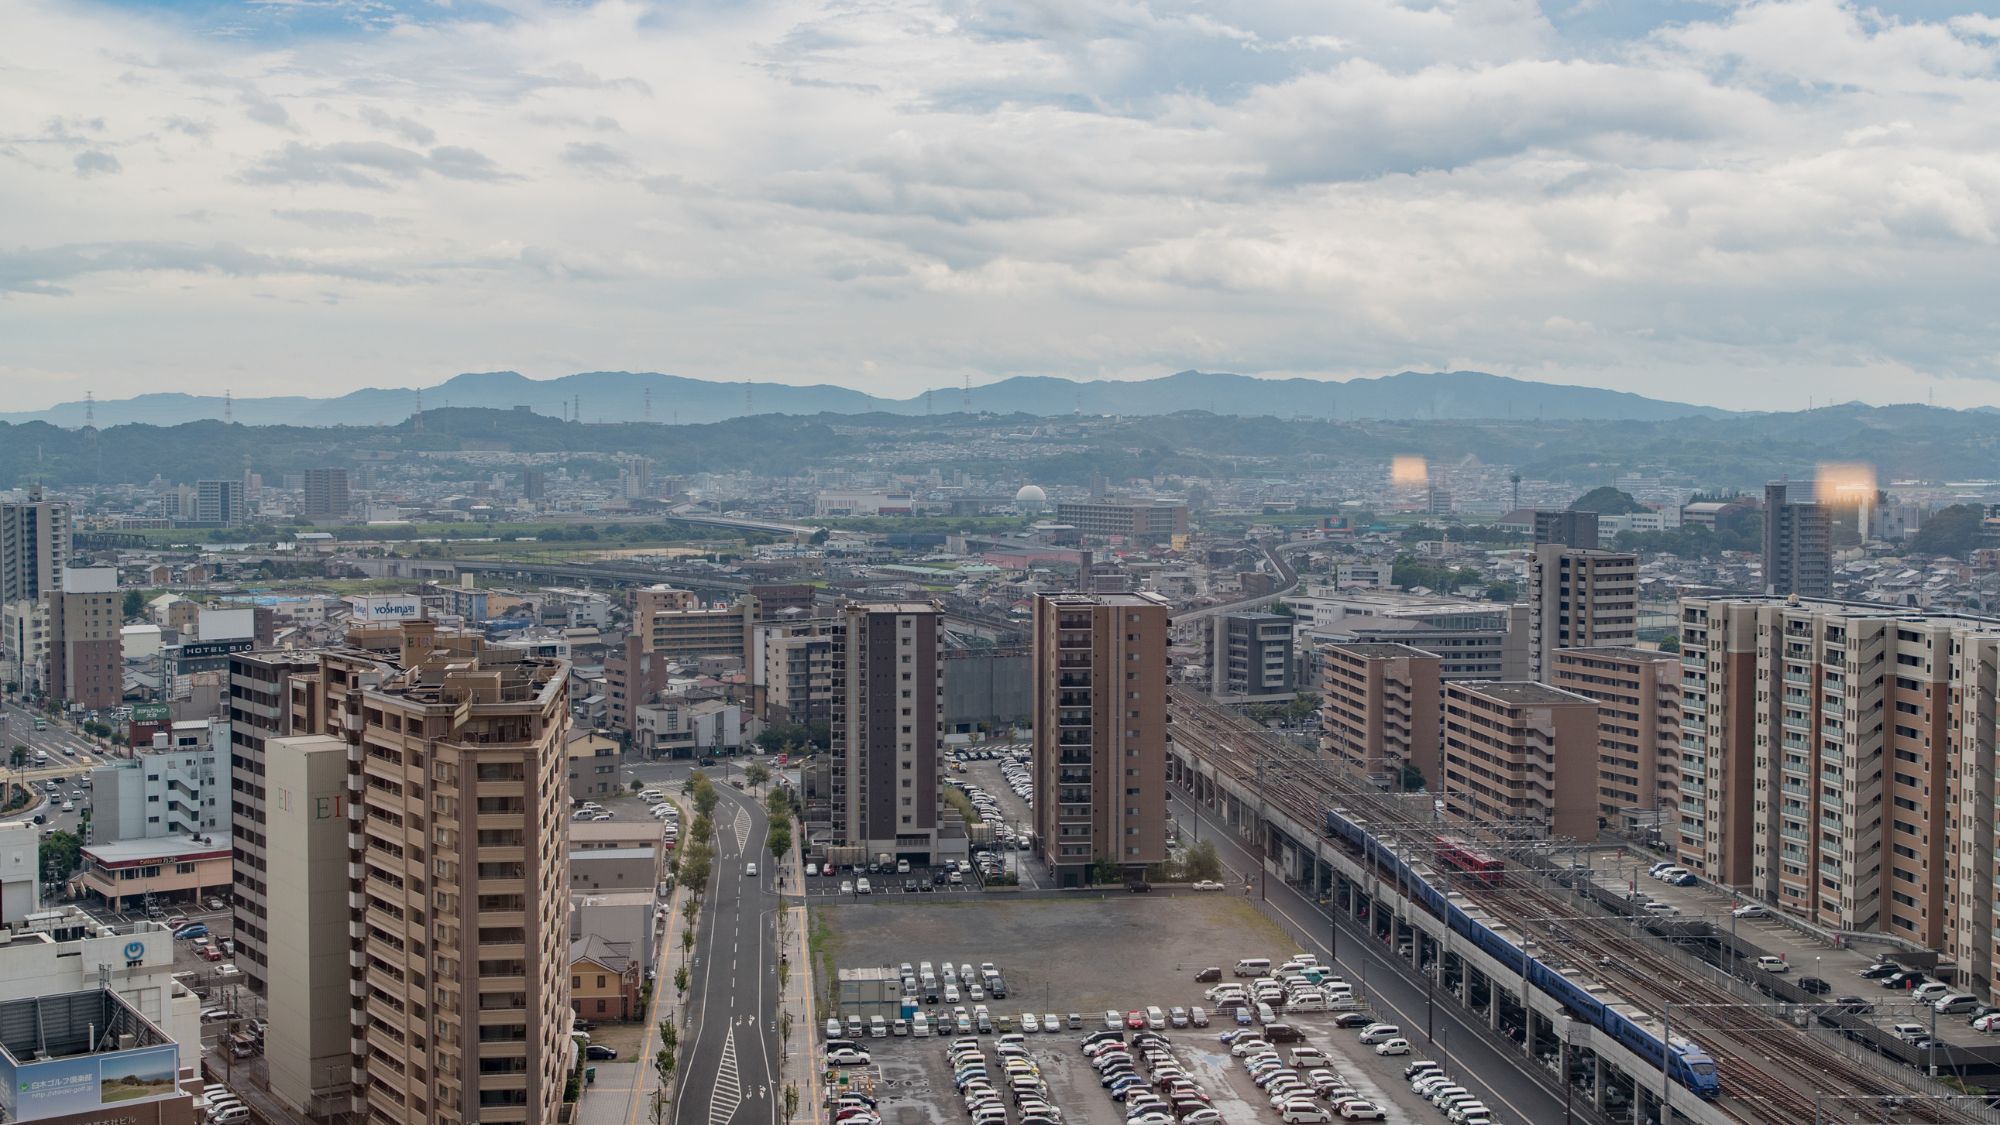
(1136, 1021)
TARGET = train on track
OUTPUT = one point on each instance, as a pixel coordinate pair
(1682, 1059)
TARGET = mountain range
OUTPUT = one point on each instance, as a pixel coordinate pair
(625, 396)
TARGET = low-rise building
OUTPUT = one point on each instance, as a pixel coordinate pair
(156, 871)
(604, 980)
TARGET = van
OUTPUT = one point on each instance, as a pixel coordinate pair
(920, 1026)
(1908, 1032)
(1956, 1002)
(1253, 967)
(878, 1028)
(1931, 991)
(1265, 1014)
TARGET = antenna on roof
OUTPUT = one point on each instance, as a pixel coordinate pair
(649, 404)
(418, 418)
(90, 408)
(228, 406)
(968, 392)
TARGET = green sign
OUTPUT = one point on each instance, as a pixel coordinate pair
(150, 713)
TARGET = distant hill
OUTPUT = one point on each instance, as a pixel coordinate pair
(621, 396)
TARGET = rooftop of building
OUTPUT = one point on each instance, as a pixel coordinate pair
(92, 1022)
(156, 849)
(1847, 608)
(1619, 652)
(1126, 599)
(1526, 692)
(1380, 650)
(600, 854)
(613, 955)
(892, 607)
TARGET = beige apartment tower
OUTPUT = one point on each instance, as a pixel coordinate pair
(1379, 710)
(888, 731)
(1521, 756)
(1638, 694)
(457, 873)
(259, 711)
(1579, 598)
(1100, 732)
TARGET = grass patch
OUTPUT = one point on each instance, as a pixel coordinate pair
(957, 799)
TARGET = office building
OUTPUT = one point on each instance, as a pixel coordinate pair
(888, 731)
(534, 484)
(1521, 758)
(86, 645)
(259, 710)
(450, 806)
(1566, 529)
(1250, 654)
(1474, 640)
(326, 494)
(1638, 694)
(1379, 711)
(34, 547)
(1579, 599)
(1844, 770)
(1100, 732)
(218, 503)
(178, 786)
(670, 627)
(1142, 520)
(1798, 553)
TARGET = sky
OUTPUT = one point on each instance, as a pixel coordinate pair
(1758, 205)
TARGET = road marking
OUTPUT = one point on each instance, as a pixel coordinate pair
(727, 1096)
(742, 828)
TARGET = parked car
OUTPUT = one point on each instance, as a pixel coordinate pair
(1773, 964)
(598, 1052)
(1815, 986)
(1750, 910)
(1208, 975)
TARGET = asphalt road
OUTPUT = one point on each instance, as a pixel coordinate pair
(729, 1072)
(1390, 984)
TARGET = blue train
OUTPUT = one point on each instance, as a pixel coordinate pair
(1682, 1059)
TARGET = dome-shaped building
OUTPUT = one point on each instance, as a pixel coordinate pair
(1031, 500)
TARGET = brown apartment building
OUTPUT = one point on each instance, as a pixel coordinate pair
(86, 648)
(456, 873)
(1100, 732)
(1579, 598)
(1857, 743)
(1379, 709)
(260, 697)
(1638, 694)
(1521, 755)
(888, 731)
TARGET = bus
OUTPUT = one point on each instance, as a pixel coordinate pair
(1457, 854)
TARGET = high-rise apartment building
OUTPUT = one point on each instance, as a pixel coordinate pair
(1522, 754)
(1638, 694)
(888, 730)
(1579, 598)
(453, 799)
(1858, 743)
(34, 547)
(86, 647)
(260, 698)
(179, 786)
(1566, 528)
(1379, 710)
(219, 503)
(794, 671)
(326, 494)
(534, 484)
(1100, 732)
(1250, 654)
(1798, 552)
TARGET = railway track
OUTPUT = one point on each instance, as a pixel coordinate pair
(1772, 1069)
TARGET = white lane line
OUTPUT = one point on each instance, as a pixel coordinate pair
(727, 1095)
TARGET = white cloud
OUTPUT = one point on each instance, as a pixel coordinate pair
(1782, 198)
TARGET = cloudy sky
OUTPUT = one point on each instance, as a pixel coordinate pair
(1748, 204)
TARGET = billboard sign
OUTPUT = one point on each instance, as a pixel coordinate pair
(84, 1083)
(151, 713)
(209, 650)
(391, 607)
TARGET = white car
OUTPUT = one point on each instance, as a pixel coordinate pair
(1393, 1047)
(847, 1056)
(1359, 1109)
(750, 869)
(1379, 1032)
(1771, 964)
(651, 795)
(602, 816)
(1749, 910)
(1207, 885)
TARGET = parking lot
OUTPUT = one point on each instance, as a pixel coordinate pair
(1087, 956)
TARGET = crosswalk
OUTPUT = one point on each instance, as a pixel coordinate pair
(727, 1094)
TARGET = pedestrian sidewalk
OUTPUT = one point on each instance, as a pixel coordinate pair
(801, 1063)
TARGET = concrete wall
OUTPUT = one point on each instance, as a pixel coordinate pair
(987, 687)
(308, 1042)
